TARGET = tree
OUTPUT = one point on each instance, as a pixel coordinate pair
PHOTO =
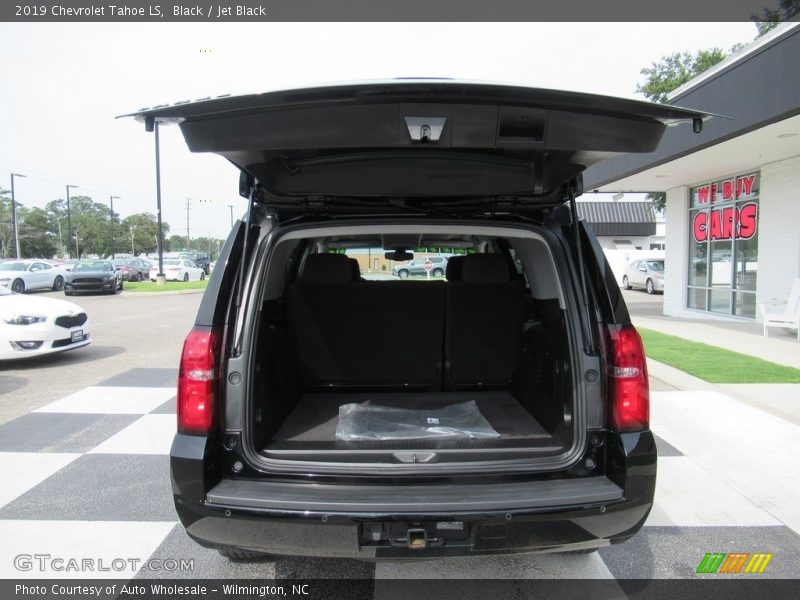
(37, 235)
(6, 233)
(143, 227)
(674, 70)
(771, 18)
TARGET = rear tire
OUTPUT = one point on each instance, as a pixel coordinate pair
(139, 276)
(58, 284)
(625, 283)
(438, 272)
(18, 286)
(241, 554)
(402, 274)
(202, 276)
(186, 277)
(651, 289)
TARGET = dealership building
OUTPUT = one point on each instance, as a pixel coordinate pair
(733, 191)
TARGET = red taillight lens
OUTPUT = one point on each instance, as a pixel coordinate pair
(196, 382)
(628, 383)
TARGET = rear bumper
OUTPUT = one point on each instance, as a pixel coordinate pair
(378, 521)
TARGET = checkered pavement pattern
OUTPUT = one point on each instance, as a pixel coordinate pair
(88, 476)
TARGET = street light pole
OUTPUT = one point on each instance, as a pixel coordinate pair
(231, 207)
(69, 224)
(113, 256)
(151, 124)
(14, 214)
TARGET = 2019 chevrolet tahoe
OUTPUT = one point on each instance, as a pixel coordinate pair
(508, 411)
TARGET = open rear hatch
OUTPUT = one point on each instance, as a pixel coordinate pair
(416, 143)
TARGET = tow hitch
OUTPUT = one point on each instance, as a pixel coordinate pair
(417, 539)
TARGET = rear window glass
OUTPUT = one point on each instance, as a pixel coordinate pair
(375, 266)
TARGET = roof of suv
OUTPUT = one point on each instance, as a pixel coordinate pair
(411, 139)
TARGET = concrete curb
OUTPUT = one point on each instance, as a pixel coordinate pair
(677, 378)
(165, 293)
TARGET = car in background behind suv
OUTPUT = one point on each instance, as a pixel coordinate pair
(508, 412)
(417, 267)
(646, 273)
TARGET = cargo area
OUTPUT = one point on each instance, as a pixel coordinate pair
(468, 367)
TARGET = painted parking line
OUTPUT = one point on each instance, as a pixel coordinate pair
(23, 471)
(150, 434)
(111, 400)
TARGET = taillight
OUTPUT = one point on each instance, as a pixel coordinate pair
(196, 382)
(628, 383)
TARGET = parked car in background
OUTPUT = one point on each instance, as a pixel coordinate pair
(179, 269)
(32, 326)
(24, 275)
(69, 263)
(98, 276)
(417, 267)
(133, 269)
(647, 274)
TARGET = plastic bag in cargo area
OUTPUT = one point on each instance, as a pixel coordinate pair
(372, 422)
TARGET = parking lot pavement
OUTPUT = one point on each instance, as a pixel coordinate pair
(89, 479)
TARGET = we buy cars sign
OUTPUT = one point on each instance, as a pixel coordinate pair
(720, 222)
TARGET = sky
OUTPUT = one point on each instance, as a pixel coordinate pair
(61, 87)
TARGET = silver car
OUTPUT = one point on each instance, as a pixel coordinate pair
(647, 273)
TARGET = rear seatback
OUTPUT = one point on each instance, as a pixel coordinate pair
(406, 335)
(347, 334)
(485, 313)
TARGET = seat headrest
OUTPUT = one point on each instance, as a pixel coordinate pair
(485, 268)
(327, 268)
(453, 270)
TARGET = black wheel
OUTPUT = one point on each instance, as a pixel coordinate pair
(121, 283)
(58, 284)
(241, 554)
(438, 272)
(625, 283)
(186, 277)
(18, 286)
(139, 276)
(650, 287)
(202, 276)
(402, 274)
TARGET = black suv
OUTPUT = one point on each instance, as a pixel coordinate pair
(508, 413)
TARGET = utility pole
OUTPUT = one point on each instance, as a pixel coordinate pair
(69, 224)
(15, 233)
(231, 207)
(113, 256)
(133, 249)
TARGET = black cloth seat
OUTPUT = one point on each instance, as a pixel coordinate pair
(484, 318)
(377, 334)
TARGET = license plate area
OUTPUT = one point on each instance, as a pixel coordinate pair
(414, 535)
(77, 336)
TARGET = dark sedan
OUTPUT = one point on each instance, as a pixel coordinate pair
(133, 269)
(98, 276)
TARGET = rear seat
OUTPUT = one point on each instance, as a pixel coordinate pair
(405, 334)
(485, 313)
(375, 334)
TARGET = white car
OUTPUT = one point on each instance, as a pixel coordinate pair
(179, 269)
(22, 275)
(32, 326)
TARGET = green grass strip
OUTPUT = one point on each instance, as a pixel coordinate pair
(169, 286)
(715, 365)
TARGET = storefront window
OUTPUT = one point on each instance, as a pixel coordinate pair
(723, 247)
